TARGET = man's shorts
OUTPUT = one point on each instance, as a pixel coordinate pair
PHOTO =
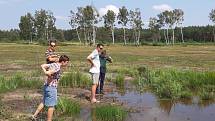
(95, 78)
(50, 96)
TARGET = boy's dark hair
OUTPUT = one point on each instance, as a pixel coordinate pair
(99, 45)
(103, 52)
(63, 58)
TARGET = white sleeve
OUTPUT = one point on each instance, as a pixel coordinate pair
(92, 55)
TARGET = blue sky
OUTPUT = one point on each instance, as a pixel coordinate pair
(196, 11)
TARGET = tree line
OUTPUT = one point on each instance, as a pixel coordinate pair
(88, 27)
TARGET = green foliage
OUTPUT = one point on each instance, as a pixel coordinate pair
(17, 81)
(175, 84)
(128, 71)
(212, 15)
(68, 107)
(26, 27)
(75, 79)
(109, 113)
(120, 80)
(208, 92)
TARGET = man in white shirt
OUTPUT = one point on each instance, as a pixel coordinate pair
(93, 58)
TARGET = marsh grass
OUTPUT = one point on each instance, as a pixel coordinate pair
(67, 107)
(131, 71)
(75, 79)
(18, 80)
(109, 113)
(120, 82)
(174, 84)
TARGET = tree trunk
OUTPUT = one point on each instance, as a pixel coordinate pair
(51, 34)
(124, 36)
(30, 38)
(214, 34)
(94, 34)
(78, 35)
(138, 39)
(182, 35)
(135, 37)
(112, 31)
(173, 36)
(85, 36)
(165, 36)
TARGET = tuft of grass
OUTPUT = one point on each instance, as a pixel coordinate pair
(207, 93)
(109, 113)
(68, 107)
(18, 81)
(75, 79)
(120, 80)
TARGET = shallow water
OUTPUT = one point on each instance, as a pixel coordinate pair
(149, 108)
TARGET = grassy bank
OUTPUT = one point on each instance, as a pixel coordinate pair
(176, 84)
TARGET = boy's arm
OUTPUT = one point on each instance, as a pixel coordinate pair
(53, 58)
(109, 59)
(47, 71)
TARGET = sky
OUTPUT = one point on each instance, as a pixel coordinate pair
(196, 11)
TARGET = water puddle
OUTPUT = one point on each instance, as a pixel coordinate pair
(149, 108)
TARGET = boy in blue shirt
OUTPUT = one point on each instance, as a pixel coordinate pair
(103, 60)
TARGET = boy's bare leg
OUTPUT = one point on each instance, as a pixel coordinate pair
(50, 113)
(40, 107)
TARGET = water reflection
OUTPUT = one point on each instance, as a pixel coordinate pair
(150, 107)
(168, 105)
(205, 103)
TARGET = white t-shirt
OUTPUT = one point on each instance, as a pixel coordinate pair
(95, 58)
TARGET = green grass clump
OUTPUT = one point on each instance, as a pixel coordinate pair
(68, 107)
(109, 113)
(207, 93)
(120, 82)
(175, 84)
(18, 81)
(75, 79)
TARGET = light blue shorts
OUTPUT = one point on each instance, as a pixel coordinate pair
(50, 96)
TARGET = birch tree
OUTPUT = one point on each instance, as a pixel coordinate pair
(75, 23)
(212, 18)
(109, 20)
(136, 23)
(123, 19)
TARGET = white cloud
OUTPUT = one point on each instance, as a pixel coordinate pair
(62, 18)
(103, 11)
(162, 7)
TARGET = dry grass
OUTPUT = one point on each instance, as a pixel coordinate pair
(30, 57)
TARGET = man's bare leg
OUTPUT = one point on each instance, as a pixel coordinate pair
(93, 92)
